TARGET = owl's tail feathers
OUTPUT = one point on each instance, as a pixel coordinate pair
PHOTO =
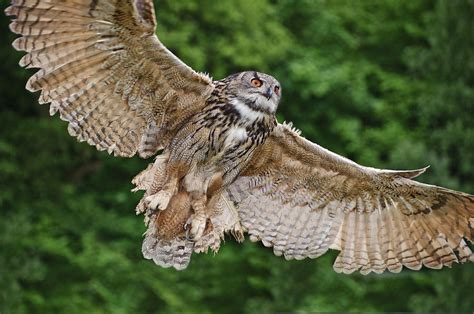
(175, 253)
(165, 240)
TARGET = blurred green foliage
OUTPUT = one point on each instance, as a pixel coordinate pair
(386, 83)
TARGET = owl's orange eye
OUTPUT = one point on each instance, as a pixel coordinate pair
(256, 82)
(276, 89)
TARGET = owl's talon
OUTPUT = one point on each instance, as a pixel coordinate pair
(187, 228)
(186, 235)
(159, 200)
(238, 233)
(195, 227)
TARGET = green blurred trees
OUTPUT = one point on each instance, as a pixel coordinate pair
(388, 84)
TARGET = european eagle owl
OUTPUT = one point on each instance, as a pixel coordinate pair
(227, 165)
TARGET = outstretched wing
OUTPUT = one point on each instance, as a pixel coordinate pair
(303, 200)
(103, 68)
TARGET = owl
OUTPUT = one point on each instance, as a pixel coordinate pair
(223, 164)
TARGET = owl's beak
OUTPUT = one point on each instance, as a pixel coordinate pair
(268, 94)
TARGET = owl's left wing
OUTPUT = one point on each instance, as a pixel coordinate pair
(302, 200)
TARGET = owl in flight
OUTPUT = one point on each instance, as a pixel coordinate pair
(227, 165)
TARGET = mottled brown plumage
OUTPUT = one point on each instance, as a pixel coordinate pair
(227, 165)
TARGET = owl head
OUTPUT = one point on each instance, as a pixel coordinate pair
(260, 92)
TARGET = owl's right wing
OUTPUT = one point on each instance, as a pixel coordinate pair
(302, 200)
(104, 69)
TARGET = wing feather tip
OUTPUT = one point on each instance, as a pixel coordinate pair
(8, 10)
(30, 85)
(408, 174)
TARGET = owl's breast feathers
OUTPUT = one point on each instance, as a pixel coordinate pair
(233, 129)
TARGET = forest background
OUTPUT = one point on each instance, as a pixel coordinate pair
(386, 83)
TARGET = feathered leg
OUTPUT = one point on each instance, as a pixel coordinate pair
(196, 223)
(160, 200)
(201, 189)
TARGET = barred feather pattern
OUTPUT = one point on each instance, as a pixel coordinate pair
(103, 68)
(302, 200)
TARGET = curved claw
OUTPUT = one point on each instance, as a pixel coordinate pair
(188, 238)
(195, 227)
(187, 228)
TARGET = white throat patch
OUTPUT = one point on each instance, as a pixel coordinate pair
(246, 112)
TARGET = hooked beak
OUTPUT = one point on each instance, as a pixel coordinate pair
(268, 94)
